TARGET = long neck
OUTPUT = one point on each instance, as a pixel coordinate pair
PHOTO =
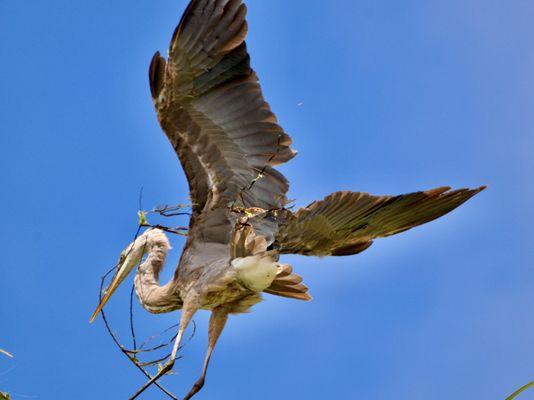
(153, 297)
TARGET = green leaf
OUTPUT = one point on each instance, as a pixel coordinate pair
(142, 218)
(520, 390)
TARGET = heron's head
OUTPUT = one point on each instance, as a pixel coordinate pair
(129, 258)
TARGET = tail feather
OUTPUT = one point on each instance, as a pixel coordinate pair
(288, 284)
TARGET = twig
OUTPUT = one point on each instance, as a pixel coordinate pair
(182, 231)
(123, 351)
(260, 174)
(166, 211)
(140, 199)
(159, 334)
(132, 330)
(161, 346)
(151, 363)
(170, 211)
(108, 328)
(131, 354)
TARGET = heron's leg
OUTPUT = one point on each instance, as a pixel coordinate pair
(217, 322)
(187, 314)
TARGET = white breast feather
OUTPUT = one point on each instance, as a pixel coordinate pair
(256, 272)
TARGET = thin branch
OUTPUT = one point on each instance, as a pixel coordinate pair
(132, 330)
(114, 338)
(158, 361)
(170, 211)
(131, 354)
(123, 351)
(181, 231)
(151, 338)
(141, 348)
(141, 198)
(260, 174)
(166, 211)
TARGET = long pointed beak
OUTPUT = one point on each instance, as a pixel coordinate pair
(121, 274)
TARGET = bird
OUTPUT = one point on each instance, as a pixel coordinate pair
(210, 105)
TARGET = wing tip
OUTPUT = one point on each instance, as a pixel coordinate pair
(448, 190)
(156, 74)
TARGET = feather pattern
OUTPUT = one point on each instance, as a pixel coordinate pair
(210, 105)
(288, 284)
(212, 109)
(346, 223)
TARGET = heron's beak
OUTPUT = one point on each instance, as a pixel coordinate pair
(124, 269)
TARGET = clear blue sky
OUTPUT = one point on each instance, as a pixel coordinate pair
(379, 96)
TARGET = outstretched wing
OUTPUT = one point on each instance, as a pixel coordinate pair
(211, 107)
(346, 223)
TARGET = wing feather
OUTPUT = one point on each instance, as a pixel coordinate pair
(212, 109)
(346, 223)
(288, 284)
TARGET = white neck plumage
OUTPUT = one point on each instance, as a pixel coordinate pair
(153, 297)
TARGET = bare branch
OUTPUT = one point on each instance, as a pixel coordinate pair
(121, 348)
(181, 231)
(132, 354)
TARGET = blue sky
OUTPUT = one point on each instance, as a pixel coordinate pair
(379, 96)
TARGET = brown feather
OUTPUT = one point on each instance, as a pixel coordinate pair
(345, 223)
(288, 284)
(157, 74)
(214, 114)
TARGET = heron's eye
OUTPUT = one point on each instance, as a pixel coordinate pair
(121, 258)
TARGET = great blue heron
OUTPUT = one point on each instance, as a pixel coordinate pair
(210, 106)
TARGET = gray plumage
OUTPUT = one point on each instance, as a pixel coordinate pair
(210, 106)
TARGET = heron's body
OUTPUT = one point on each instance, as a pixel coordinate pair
(208, 276)
(210, 106)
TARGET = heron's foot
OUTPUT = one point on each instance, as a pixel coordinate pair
(195, 389)
(161, 371)
(167, 367)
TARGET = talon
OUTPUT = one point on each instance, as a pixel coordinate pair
(166, 368)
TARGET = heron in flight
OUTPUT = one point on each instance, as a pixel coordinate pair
(210, 106)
